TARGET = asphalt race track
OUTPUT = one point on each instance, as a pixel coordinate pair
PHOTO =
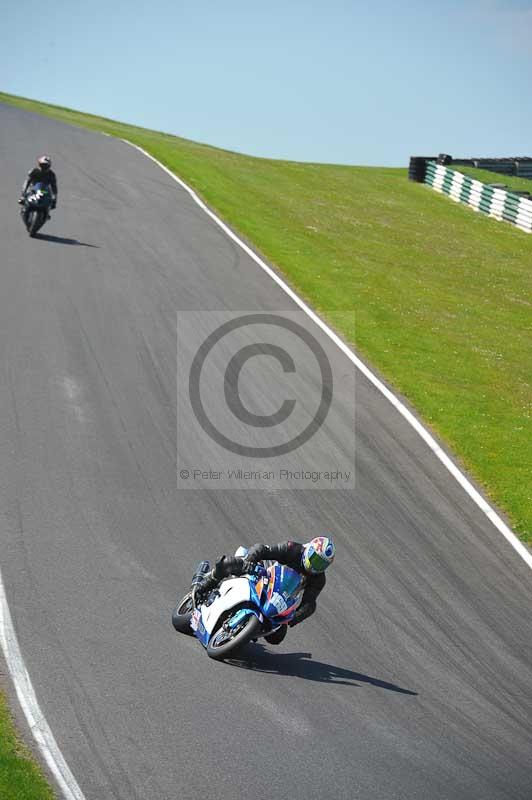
(413, 680)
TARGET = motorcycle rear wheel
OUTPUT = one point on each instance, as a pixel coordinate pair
(182, 614)
(224, 645)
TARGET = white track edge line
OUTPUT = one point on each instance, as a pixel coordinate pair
(459, 476)
(28, 701)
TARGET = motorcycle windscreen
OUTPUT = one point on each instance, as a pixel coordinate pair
(283, 594)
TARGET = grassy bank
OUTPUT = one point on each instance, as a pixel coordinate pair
(20, 777)
(442, 296)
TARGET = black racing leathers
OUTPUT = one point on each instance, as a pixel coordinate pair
(46, 176)
(289, 553)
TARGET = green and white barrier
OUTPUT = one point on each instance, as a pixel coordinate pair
(497, 203)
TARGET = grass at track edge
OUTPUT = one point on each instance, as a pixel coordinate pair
(20, 775)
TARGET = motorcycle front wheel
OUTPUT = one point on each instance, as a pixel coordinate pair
(35, 221)
(226, 642)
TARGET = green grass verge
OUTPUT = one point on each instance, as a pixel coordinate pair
(20, 777)
(485, 176)
(442, 296)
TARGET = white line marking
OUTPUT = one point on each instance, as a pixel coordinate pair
(28, 701)
(468, 487)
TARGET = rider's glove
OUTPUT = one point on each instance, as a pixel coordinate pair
(21, 201)
(255, 554)
(219, 570)
(248, 565)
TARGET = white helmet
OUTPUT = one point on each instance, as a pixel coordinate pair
(44, 162)
(318, 554)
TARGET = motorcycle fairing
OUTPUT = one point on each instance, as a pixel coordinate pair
(39, 195)
(241, 614)
(282, 593)
(230, 593)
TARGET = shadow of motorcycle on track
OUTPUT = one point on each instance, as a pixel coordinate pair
(301, 665)
(46, 237)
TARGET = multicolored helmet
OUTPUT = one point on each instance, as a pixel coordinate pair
(318, 554)
(44, 162)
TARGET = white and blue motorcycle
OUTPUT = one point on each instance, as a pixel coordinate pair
(240, 609)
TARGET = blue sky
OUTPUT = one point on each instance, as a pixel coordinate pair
(347, 82)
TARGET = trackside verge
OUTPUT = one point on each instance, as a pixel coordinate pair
(457, 474)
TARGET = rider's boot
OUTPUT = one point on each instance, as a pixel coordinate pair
(277, 636)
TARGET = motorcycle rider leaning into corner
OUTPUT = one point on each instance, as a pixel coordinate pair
(310, 560)
(42, 173)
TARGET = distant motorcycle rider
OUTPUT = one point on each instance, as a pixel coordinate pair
(310, 560)
(42, 173)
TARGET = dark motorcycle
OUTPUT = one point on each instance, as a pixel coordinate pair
(36, 208)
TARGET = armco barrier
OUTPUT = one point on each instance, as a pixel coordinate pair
(520, 166)
(497, 203)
